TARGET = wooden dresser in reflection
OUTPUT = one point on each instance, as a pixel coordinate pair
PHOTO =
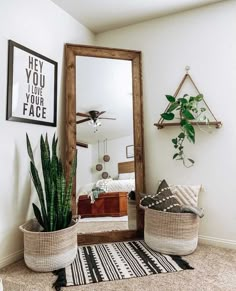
(107, 204)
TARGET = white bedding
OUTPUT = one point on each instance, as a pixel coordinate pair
(110, 185)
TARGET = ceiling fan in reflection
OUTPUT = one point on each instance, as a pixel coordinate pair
(93, 118)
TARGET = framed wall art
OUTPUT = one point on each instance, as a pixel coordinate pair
(129, 151)
(32, 86)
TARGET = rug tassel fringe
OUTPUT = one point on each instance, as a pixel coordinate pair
(182, 263)
(61, 279)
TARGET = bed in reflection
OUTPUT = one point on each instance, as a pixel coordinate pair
(107, 197)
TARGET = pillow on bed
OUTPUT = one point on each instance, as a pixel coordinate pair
(126, 176)
(103, 183)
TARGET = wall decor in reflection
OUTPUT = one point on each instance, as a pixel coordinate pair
(129, 151)
(106, 157)
(99, 166)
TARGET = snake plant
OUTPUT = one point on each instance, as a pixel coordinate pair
(55, 193)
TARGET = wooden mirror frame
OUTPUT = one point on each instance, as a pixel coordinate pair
(73, 50)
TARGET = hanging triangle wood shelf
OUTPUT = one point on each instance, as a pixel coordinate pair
(161, 124)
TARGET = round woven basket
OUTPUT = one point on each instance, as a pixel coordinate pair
(49, 251)
(171, 233)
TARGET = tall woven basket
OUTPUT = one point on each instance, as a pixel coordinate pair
(171, 233)
(49, 251)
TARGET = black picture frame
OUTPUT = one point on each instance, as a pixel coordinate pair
(130, 151)
(31, 86)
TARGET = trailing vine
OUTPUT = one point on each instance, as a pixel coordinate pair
(187, 110)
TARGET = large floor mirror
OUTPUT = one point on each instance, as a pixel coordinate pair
(104, 123)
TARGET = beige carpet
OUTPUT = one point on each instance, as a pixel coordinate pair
(91, 227)
(215, 269)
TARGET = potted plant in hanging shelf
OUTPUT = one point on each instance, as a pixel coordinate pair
(50, 240)
(188, 112)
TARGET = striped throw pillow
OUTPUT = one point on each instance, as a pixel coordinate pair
(186, 194)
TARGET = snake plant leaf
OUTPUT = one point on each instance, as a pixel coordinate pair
(67, 201)
(168, 115)
(47, 149)
(59, 199)
(54, 146)
(170, 98)
(45, 161)
(29, 149)
(51, 208)
(38, 215)
(39, 189)
(63, 188)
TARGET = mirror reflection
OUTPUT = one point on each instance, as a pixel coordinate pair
(104, 133)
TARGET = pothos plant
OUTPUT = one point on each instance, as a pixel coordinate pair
(187, 110)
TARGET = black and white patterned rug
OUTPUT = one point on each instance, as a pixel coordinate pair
(116, 261)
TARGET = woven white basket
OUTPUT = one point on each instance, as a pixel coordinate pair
(49, 251)
(171, 233)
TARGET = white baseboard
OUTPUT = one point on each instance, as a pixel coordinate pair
(219, 242)
(11, 258)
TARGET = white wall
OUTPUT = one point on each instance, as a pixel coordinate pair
(84, 166)
(204, 39)
(45, 28)
(116, 149)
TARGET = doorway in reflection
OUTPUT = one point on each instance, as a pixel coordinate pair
(104, 131)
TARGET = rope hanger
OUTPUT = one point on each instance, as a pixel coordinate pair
(160, 124)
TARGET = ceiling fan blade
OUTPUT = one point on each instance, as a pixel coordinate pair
(107, 118)
(82, 114)
(100, 113)
(83, 120)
